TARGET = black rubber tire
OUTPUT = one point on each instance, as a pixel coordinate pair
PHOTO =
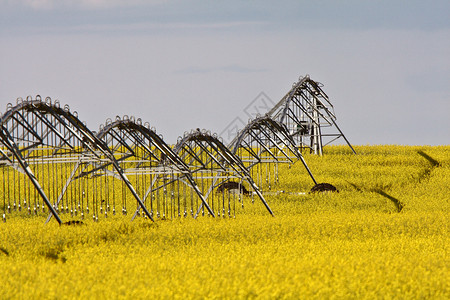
(324, 187)
(232, 185)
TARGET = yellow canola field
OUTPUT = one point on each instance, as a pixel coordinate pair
(351, 244)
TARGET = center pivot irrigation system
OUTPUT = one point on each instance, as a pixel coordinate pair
(52, 164)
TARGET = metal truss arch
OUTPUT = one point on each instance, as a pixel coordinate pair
(151, 163)
(265, 140)
(50, 147)
(309, 116)
(212, 163)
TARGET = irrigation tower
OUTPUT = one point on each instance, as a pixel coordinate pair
(309, 116)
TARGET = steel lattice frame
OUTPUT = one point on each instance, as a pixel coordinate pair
(309, 116)
(50, 159)
(212, 164)
(153, 167)
(266, 141)
(48, 147)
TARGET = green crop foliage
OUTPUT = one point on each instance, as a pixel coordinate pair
(353, 244)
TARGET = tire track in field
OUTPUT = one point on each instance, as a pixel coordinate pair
(398, 204)
(425, 175)
(4, 251)
(434, 164)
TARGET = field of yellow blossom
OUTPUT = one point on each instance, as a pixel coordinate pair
(384, 235)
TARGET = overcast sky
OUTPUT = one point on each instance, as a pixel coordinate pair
(185, 64)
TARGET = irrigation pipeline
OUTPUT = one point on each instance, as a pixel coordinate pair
(53, 165)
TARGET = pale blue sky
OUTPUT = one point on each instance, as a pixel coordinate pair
(188, 64)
